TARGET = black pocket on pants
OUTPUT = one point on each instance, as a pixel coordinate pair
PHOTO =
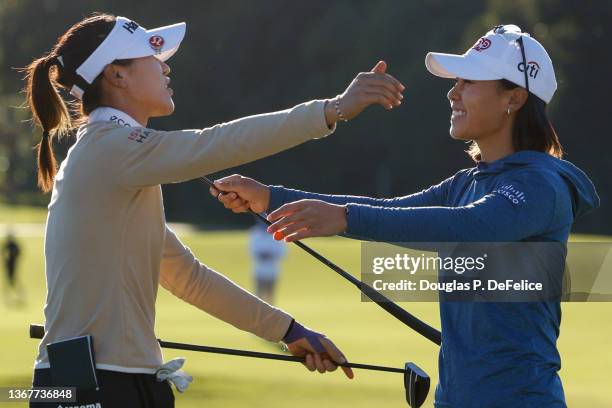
(117, 390)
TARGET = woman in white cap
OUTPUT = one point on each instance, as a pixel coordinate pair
(107, 245)
(493, 354)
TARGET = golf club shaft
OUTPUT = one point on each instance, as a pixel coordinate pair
(381, 300)
(37, 332)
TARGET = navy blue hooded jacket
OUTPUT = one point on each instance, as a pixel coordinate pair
(492, 354)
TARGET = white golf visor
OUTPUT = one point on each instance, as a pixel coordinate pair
(129, 40)
(497, 55)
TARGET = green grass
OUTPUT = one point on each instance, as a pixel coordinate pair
(322, 300)
(13, 214)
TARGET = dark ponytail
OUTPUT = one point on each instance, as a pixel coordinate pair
(49, 112)
(58, 70)
(532, 130)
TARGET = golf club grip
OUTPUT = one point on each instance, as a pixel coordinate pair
(399, 313)
(38, 331)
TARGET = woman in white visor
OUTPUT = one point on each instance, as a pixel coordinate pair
(500, 353)
(107, 245)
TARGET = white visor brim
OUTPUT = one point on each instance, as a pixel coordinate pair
(457, 66)
(160, 42)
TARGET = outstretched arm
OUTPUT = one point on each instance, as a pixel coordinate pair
(147, 157)
(432, 196)
(242, 193)
(495, 217)
(185, 277)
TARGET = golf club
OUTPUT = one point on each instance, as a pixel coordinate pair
(402, 315)
(416, 381)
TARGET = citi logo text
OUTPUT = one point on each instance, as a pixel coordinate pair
(532, 68)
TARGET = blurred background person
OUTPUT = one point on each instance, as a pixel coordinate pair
(10, 257)
(267, 254)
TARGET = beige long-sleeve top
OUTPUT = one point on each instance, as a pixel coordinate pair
(107, 246)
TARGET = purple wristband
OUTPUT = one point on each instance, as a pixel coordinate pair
(297, 331)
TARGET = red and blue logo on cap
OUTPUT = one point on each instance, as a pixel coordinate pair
(482, 44)
(156, 42)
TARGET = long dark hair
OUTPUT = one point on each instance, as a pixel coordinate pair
(532, 130)
(58, 69)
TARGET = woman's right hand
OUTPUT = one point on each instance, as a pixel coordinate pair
(240, 194)
(368, 88)
(318, 351)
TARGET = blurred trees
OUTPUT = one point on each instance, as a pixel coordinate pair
(243, 57)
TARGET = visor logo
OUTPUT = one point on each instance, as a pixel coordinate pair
(532, 68)
(482, 44)
(130, 26)
(156, 42)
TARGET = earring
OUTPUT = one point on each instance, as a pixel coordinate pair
(508, 110)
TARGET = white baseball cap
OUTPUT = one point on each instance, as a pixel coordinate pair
(128, 40)
(498, 55)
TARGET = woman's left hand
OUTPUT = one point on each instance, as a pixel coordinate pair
(307, 218)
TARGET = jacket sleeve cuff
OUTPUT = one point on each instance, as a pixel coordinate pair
(278, 195)
(279, 329)
(357, 218)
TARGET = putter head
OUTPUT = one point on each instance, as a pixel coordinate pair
(416, 382)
